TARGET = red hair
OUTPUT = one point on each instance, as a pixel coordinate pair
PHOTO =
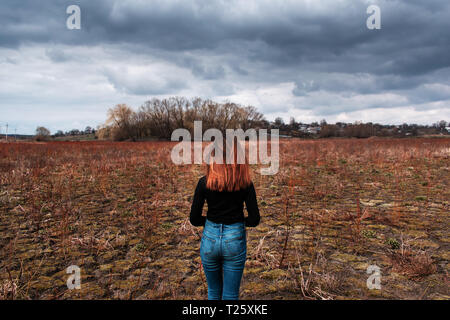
(228, 176)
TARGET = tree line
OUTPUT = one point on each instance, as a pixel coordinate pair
(358, 129)
(160, 117)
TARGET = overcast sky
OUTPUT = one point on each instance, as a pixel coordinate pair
(307, 59)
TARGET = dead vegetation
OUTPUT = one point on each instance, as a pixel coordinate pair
(119, 211)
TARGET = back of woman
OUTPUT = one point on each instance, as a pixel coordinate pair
(223, 249)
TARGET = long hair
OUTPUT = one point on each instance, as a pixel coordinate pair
(228, 176)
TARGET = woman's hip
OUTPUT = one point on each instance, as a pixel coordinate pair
(225, 231)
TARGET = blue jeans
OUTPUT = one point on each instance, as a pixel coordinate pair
(223, 251)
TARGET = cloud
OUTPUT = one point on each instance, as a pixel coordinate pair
(143, 80)
(313, 58)
(57, 55)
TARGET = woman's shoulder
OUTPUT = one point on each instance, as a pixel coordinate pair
(202, 181)
(247, 188)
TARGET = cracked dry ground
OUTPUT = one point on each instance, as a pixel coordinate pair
(119, 212)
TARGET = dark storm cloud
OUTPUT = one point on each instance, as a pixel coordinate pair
(322, 47)
(210, 72)
(365, 83)
(414, 37)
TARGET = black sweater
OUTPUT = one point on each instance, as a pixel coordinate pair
(224, 207)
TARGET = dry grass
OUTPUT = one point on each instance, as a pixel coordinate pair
(119, 211)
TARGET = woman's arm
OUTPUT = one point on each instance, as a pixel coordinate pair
(196, 217)
(252, 208)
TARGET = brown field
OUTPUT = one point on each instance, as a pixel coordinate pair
(119, 211)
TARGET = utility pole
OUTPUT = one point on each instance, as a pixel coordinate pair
(6, 132)
(15, 134)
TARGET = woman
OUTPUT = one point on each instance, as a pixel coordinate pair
(223, 248)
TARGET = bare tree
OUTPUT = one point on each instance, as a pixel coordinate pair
(121, 117)
(159, 118)
(42, 133)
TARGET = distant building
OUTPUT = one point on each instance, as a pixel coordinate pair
(313, 130)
